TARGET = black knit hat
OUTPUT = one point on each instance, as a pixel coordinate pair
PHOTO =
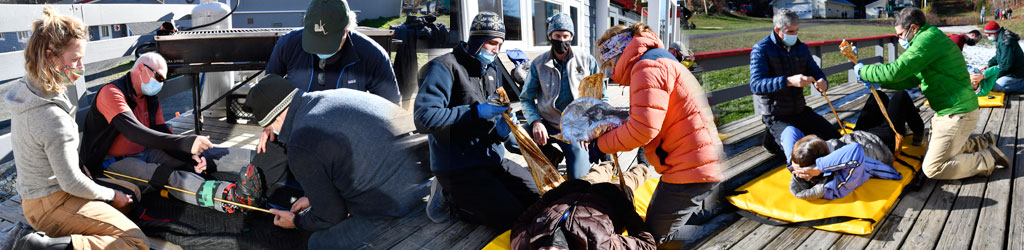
(269, 98)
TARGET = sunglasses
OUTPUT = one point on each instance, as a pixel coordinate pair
(156, 75)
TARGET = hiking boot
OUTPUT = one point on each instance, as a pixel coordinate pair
(919, 139)
(39, 241)
(437, 205)
(248, 190)
(989, 138)
(1000, 158)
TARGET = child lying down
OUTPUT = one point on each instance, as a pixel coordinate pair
(833, 169)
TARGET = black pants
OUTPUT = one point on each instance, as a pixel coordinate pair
(901, 110)
(807, 121)
(492, 195)
(278, 182)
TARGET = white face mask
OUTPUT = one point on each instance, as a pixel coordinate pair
(152, 87)
(788, 39)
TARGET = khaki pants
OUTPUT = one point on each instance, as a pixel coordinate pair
(947, 157)
(634, 177)
(91, 224)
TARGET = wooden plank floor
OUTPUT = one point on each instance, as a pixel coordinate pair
(972, 213)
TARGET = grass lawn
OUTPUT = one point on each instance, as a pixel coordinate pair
(725, 23)
(743, 107)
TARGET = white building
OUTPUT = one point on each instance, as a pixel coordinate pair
(526, 20)
(875, 9)
(807, 9)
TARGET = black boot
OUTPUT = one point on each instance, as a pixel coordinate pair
(39, 241)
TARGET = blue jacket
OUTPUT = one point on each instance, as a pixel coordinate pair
(343, 152)
(360, 65)
(450, 88)
(770, 64)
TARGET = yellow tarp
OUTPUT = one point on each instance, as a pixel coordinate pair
(641, 197)
(769, 195)
(997, 100)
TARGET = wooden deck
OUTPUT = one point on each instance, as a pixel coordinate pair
(972, 213)
(976, 213)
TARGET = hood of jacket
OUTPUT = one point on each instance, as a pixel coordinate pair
(25, 96)
(634, 50)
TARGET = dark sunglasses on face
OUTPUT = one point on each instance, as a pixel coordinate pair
(156, 75)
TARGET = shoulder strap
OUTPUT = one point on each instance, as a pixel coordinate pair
(806, 223)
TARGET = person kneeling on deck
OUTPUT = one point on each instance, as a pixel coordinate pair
(932, 62)
(125, 133)
(1008, 64)
(670, 118)
(780, 67)
(552, 84)
(466, 133)
(587, 213)
(58, 197)
(831, 170)
(342, 149)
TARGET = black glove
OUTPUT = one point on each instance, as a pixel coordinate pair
(596, 156)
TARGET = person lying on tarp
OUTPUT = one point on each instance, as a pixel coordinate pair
(872, 134)
(125, 132)
(342, 149)
(830, 170)
(586, 213)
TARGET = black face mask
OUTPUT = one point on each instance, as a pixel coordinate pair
(559, 47)
(971, 42)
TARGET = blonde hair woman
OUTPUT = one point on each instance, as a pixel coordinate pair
(670, 118)
(58, 198)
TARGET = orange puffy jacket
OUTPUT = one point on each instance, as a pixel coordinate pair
(668, 115)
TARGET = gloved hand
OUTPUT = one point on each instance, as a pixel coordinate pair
(487, 111)
(856, 68)
(502, 127)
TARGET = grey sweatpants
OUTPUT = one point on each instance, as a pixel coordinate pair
(144, 164)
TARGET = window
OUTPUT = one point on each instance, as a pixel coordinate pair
(575, 25)
(541, 12)
(105, 32)
(2, 37)
(23, 36)
(510, 14)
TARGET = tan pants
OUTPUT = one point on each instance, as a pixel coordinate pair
(91, 224)
(604, 172)
(947, 157)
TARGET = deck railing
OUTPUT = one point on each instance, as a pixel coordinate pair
(725, 59)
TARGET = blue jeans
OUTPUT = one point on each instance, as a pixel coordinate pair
(577, 159)
(1009, 85)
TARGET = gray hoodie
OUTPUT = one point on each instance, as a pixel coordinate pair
(45, 139)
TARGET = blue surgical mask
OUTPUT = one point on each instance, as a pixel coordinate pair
(485, 56)
(788, 39)
(904, 43)
(325, 56)
(152, 87)
(992, 38)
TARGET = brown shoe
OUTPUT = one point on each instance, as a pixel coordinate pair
(1000, 159)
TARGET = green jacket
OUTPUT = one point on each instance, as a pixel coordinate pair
(1008, 55)
(934, 62)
